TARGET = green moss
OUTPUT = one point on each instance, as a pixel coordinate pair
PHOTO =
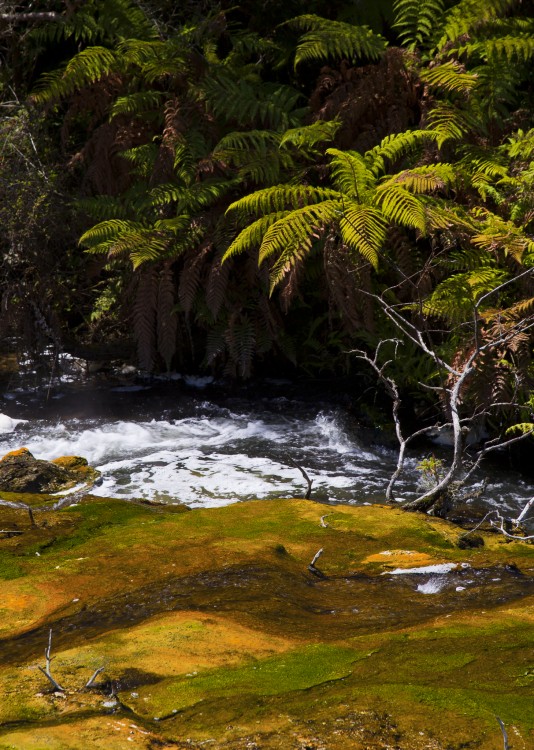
(10, 567)
(297, 670)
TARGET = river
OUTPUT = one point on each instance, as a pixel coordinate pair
(191, 442)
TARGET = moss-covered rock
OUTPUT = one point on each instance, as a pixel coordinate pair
(211, 636)
(21, 472)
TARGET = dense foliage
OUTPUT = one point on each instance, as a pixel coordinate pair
(247, 182)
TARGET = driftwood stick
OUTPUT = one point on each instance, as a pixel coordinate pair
(305, 475)
(312, 567)
(92, 679)
(46, 670)
(524, 511)
(10, 531)
(504, 734)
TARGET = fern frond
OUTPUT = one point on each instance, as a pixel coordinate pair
(324, 40)
(350, 173)
(307, 137)
(297, 229)
(193, 197)
(467, 15)
(88, 66)
(449, 123)
(394, 147)
(425, 179)
(450, 76)
(280, 198)
(137, 103)
(236, 100)
(252, 236)
(416, 20)
(499, 234)
(142, 158)
(522, 144)
(509, 48)
(454, 298)
(402, 207)
(363, 229)
(108, 230)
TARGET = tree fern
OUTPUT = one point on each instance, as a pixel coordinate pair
(351, 174)
(279, 198)
(363, 229)
(296, 229)
(416, 20)
(324, 40)
(394, 147)
(401, 207)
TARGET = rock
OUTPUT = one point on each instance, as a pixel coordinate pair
(20, 471)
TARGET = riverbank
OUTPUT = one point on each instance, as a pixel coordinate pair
(212, 629)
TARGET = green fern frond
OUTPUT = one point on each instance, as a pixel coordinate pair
(193, 197)
(236, 100)
(350, 174)
(522, 144)
(108, 230)
(86, 67)
(499, 234)
(454, 298)
(400, 206)
(425, 179)
(363, 229)
(252, 236)
(255, 153)
(280, 198)
(324, 39)
(307, 137)
(297, 229)
(450, 76)
(449, 123)
(509, 48)
(416, 20)
(104, 207)
(142, 158)
(467, 15)
(137, 103)
(393, 147)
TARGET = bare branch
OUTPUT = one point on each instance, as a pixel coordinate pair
(46, 671)
(504, 734)
(312, 567)
(91, 681)
(305, 475)
(36, 16)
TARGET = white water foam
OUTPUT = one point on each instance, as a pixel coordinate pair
(217, 459)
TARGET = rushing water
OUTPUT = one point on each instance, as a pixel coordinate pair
(182, 446)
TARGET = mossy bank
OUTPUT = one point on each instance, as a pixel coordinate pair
(213, 632)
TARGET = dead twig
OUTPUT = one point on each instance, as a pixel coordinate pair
(305, 475)
(504, 734)
(46, 670)
(91, 681)
(312, 567)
